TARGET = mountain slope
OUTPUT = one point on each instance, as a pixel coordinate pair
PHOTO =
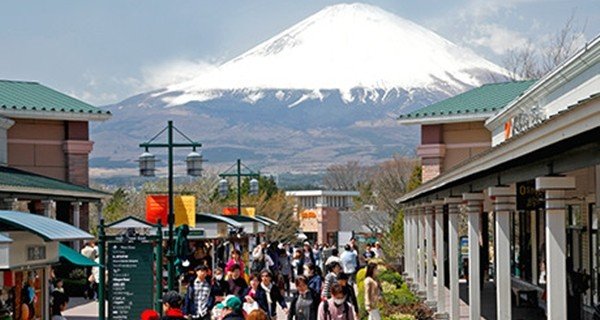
(325, 90)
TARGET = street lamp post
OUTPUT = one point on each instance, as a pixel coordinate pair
(147, 168)
(223, 185)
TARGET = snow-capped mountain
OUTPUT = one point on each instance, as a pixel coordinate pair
(333, 82)
(344, 47)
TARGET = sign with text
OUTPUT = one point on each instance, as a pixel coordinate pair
(157, 207)
(528, 198)
(130, 279)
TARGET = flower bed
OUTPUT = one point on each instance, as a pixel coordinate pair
(398, 302)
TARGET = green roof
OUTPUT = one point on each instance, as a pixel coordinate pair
(486, 99)
(26, 99)
(48, 229)
(74, 257)
(15, 181)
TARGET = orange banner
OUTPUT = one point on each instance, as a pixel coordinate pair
(157, 207)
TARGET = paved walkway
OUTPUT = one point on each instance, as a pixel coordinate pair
(488, 304)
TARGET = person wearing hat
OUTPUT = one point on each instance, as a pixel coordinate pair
(172, 306)
(230, 308)
(199, 298)
(149, 314)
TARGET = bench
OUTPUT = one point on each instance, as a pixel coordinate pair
(527, 294)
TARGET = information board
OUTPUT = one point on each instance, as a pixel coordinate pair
(130, 279)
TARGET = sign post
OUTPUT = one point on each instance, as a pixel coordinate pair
(134, 281)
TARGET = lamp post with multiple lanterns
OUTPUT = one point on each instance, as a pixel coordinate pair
(147, 163)
(224, 185)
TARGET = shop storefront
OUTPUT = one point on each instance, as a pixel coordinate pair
(29, 246)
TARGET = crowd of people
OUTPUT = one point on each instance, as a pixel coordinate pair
(311, 282)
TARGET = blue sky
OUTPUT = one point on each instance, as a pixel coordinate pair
(106, 51)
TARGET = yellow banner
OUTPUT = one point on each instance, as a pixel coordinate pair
(249, 211)
(185, 210)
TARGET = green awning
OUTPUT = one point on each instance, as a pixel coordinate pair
(72, 256)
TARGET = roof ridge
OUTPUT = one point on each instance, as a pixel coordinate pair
(19, 81)
(17, 170)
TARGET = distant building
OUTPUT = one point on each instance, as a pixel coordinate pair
(319, 212)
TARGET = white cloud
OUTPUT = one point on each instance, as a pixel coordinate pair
(173, 72)
(497, 38)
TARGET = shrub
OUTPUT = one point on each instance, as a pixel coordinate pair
(391, 276)
(399, 316)
(400, 297)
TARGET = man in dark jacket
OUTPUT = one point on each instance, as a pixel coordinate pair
(172, 306)
(231, 308)
(268, 296)
(237, 284)
(199, 298)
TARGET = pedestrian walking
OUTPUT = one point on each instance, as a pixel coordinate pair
(260, 259)
(237, 284)
(149, 314)
(305, 304)
(315, 281)
(257, 314)
(368, 254)
(285, 269)
(336, 307)
(236, 258)
(333, 258)
(230, 308)
(372, 292)
(220, 285)
(331, 279)
(349, 292)
(172, 306)
(199, 298)
(59, 304)
(249, 300)
(349, 263)
(378, 251)
(268, 296)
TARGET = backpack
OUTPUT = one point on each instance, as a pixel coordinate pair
(328, 313)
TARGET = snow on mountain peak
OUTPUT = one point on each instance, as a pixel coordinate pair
(342, 47)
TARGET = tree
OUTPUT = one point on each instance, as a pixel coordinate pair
(346, 176)
(281, 209)
(533, 62)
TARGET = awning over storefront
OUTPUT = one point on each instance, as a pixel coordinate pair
(240, 218)
(268, 220)
(72, 256)
(46, 228)
(212, 218)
